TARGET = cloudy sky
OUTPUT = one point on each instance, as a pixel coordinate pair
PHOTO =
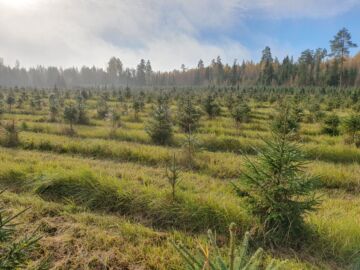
(70, 33)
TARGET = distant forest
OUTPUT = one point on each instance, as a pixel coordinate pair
(319, 67)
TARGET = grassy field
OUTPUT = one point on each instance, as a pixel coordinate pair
(103, 202)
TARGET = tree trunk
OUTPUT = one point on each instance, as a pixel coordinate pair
(341, 67)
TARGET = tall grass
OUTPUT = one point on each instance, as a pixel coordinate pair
(124, 176)
(145, 203)
(337, 224)
(333, 153)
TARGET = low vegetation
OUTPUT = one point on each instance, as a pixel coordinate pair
(135, 179)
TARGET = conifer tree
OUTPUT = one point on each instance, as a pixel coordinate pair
(267, 72)
(331, 125)
(286, 121)
(239, 258)
(188, 115)
(102, 108)
(10, 100)
(20, 102)
(172, 172)
(352, 128)
(71, 115)
(10, 134)
(315, 112)
(190, 147)
(36, 100)
(127, 92)
(159, 127)
(15, 254)
(278, 190)
(2, 109)
(241, 114)
(115, 119)
(82, 118)
(211, 107)
(53, 107)
(340, 48)
(136, 107)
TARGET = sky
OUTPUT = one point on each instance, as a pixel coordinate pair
(74, 33)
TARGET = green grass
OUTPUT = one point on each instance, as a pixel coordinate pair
(78, 239)
(337, 222)
(148, 203)
(106, 202)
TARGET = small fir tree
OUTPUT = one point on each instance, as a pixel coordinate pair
(136, 107)
(239, 258)
(190, 147)
(211, 107)
(331, 125)
(2, 109)
(286, 122)
(172, 173)
(71, 115)
(82, 118)
(352, 128)
(159, 127)
(10, 135)
(241, 114)
(278, 190)
(10, 100)
(188, 115)
(53, 107)
(102, 108)
(115, 120)
(15, 254)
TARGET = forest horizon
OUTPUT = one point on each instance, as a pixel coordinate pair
(332, 66)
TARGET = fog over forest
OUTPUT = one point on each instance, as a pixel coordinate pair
(313, 68)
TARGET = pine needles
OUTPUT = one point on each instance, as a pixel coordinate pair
(14, 254)
(239, 258)
(278, 191)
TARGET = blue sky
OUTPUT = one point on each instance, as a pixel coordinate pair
(70, 33)
(288, 36)
(300, 34)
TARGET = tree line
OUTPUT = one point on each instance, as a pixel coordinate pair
(318, 67)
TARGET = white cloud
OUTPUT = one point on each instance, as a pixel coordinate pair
(88, 32)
